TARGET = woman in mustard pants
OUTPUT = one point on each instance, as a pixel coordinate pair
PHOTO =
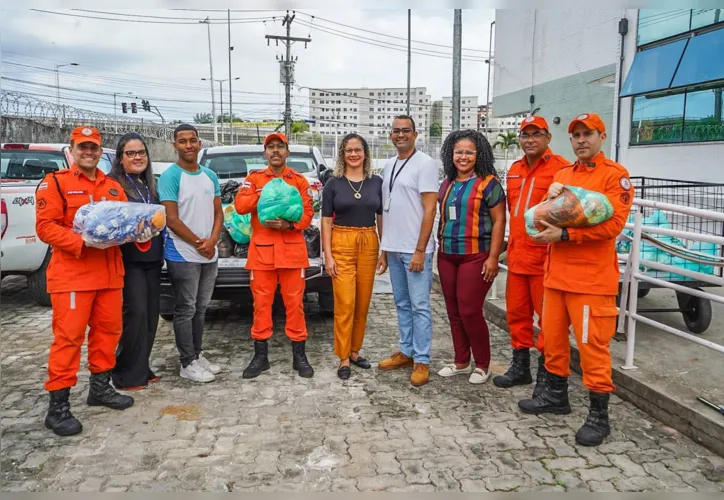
(351, 231)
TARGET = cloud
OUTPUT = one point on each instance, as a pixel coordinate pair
(165, 63)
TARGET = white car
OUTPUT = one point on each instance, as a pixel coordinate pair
(22, 167)
(234, 163)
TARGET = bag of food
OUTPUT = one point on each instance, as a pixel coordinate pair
(574, 207)
(279, 200)
(228, 191)
(112, 223)
(239, 226)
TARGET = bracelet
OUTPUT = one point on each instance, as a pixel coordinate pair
(418, 250)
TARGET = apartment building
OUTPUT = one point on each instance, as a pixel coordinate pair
(367, 111)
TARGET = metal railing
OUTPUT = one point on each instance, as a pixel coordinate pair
(634, 274)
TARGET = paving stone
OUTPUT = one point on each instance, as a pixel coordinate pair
(283, 433)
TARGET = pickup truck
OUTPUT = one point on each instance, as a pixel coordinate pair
(22, 167)
(233, 163)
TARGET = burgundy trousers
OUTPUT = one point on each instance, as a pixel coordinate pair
(464, 290)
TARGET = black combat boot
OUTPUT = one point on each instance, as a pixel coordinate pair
(260, 362)
(300, 360)
(519, 371)
(59, 417)
(596, 427)
(553, 399)
(541, 377)
(101, 393)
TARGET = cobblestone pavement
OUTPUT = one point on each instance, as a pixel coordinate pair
(281, 432)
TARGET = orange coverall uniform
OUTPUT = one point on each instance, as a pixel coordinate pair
(527, 187)
(276, 256)
(582, 276)
(85, 284)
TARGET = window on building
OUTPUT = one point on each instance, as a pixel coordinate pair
(703, 60)
(692, 116)
(653, 69)
(656, 24)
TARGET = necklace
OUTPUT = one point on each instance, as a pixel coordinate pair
(357, 192)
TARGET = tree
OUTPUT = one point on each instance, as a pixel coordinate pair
(299, 127)
(202, 118)
(436, 130)
(224, 118)
(506, 141)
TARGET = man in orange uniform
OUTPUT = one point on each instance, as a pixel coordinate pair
(581, 283)
(527, 182)
(277, 255)
(85, 284)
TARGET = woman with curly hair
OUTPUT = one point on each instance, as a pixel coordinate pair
(471, 233)
(351, 230)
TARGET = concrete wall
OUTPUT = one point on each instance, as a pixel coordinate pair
(566, 59)
(26, 130)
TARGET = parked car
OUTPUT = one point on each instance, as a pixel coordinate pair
(234, 163)
(22, 167)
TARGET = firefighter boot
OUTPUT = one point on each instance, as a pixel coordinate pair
(59, 418)
(519, 371)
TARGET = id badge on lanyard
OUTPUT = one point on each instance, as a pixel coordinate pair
(452, 213)
(387, 203)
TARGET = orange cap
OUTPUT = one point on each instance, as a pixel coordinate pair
(85, 134)
(534, 121)
(278, 136)
(591, 120)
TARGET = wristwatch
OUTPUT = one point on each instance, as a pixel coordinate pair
(564, 234)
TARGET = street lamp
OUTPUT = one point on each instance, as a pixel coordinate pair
(115, 117)
(57, 88)
(221, 99)
(207, 22)
(489, 62)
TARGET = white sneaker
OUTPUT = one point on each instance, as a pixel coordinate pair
(208, 365)
(194, 371)
(479, 376)
(451, 369)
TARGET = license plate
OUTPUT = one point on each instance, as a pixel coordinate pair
(232, 262)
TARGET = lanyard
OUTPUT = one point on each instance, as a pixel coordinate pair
(394, 177)
(147, 198)
(458, 190)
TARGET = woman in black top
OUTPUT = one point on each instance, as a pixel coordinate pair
(351, 230)
(142, 282)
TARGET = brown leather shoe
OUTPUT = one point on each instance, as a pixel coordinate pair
(420, 374)
(397, 360)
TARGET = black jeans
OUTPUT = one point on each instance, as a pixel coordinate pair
(193, 285)
(141, 305)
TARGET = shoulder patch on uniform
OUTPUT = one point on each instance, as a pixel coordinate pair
(625, 183)
(113, 192)
(42, 185)
(42, 203)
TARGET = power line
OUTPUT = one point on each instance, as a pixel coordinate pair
(389, 36)
(68, 14)
(145, 16)
(399, 48)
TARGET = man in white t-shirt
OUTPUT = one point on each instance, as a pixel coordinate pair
(194, 217)
(409, 192)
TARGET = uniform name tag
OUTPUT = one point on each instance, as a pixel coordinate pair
(76, 192)
(452, 213)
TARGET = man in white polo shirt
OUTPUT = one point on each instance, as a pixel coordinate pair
(192, 199)
(409, 192)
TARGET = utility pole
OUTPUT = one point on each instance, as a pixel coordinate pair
(57, 90)
(231, 114)
(409, 55)
(489, 62)
(207, 21)
(287, 67)
(457, 53)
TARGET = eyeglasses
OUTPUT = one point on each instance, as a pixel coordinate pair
(141, 153)
(467, 152)
(353, 151)
(535, 135)
(398, 131)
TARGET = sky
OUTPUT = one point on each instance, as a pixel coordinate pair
(164, 63)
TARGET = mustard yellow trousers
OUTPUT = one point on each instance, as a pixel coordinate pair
(355, 249)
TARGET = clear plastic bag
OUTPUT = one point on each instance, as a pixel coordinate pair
(279, 200)
(574, 207)
(111, 223)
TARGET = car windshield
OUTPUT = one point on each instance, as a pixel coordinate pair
(30, 164)
(229, 165)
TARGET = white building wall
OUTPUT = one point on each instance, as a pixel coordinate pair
(367, 111)
(468, 113)
(566, 42)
